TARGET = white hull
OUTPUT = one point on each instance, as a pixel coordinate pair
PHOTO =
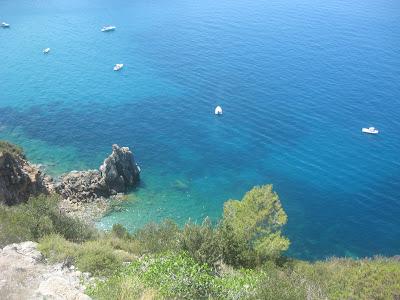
(218, 110)
(118, 67)
(370, 130)
(108, 28)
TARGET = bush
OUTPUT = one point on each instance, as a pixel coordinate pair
(377, 278)
(120, 287)
(170, 276)
(201, 242)
(57, 249)
(97, 258)
(157, 238)
(37, 218)
(120, 231)
(241, 284)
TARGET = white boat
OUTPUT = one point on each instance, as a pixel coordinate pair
(370, 130)
(47, 50)
(108, 28)
(5, 25)
(118, 67)
(218, 110)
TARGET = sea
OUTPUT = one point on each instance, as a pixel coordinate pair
(296, 79)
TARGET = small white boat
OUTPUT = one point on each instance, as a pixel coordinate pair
(370, 130)
(47, 50)
(108, 28)
(118, 67)
(5, 25)
(218, 110)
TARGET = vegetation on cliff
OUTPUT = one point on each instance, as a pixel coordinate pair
(198, 261)
(6, 147)
(241, 257)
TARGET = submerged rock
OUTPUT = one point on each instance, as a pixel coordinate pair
(117, 174)
(20, 179)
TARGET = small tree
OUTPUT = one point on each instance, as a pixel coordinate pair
(201, 242)
(254, 225)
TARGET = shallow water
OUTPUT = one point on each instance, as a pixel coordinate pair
(296, 79)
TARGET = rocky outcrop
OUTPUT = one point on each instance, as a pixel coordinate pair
(19, 179)
(85, 194)
(26, 275)
(119, 170)
(116, 175)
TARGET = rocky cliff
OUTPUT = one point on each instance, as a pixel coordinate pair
(19, 179)
(26, 275)
(84, 194)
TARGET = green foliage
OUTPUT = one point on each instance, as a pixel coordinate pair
(202, 242)
(255, 225)
(181, 263)
(377, 278)
(37, 218)
(119, 231)
(169, 276)
(157, 238)
(175, 276)
(120, 287)
(57, 249)
(6, 147)
(241, 284)
(97, 258)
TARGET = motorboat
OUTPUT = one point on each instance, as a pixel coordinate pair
(47, 50)
(218, 110)
(370, 130)
(118, 67)
(5, 25)
(108, 28)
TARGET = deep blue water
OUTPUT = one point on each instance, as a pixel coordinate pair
(297, 80)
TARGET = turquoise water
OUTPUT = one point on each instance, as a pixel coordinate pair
(297, 80)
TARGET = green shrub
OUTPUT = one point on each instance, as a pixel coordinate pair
(173, 276)
(120, 287)
(120, 231)
(97, 258)
(241, 284)
(38, 217)
(157, 238)
(57, 249)
(201, 242)
(377, 278)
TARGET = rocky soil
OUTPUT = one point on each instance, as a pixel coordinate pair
(26, 275)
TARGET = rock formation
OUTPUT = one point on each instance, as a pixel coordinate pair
(116, 175)
(25, 275)
(19, 179)
(119, 170)
(84, 194)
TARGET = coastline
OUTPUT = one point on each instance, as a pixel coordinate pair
(86, 195)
